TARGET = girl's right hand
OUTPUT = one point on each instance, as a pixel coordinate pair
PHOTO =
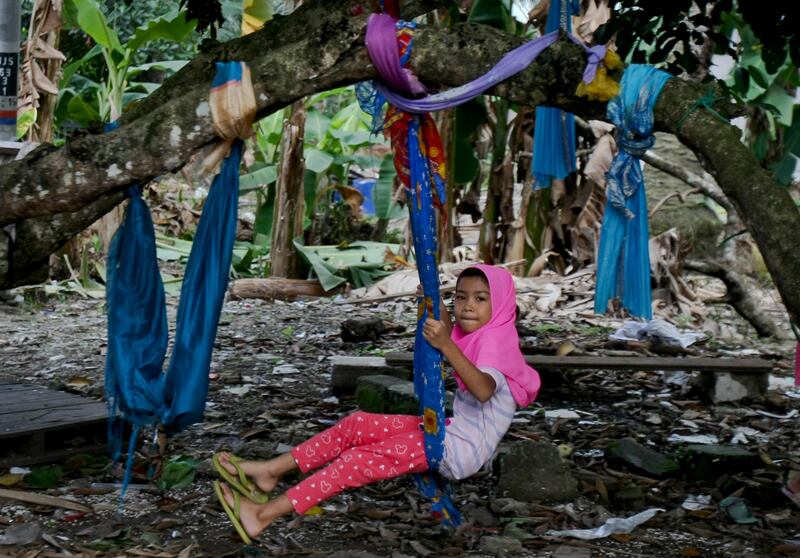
(419, 290)
(436, 333)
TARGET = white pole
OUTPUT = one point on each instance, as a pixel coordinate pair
(10, 23)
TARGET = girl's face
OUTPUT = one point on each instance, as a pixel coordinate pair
(473, 304)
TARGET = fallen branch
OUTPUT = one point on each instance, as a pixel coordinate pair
(707, 187)
(680, 195)
(738, 296)
(43, 500)
(276, 288)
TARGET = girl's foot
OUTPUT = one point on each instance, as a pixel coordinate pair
(255, 518)
(262, 472)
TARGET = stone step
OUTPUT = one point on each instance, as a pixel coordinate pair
(347, 370)
(381, 393)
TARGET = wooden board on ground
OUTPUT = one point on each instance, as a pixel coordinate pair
(39, 424)
(600, 362)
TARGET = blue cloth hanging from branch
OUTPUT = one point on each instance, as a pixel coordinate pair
(623, 263)
(137, 390)
(554, 132)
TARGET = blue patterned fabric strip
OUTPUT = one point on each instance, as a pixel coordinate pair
(428, 367)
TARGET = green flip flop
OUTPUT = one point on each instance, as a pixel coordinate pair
(243, 484)
(233, 514)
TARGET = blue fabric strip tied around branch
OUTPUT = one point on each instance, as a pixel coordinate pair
(623, 263)
(138, 392)
(554, 131)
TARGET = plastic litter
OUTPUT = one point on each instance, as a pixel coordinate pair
(696, 502)
(656, 330)
(613, 526)
(738, 509)
(694, 439)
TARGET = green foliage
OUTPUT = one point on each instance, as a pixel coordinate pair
(336, 137)
(179, 472)
(360, 262)
(494, 13)
(383, 188)
(669, 32)
(88, 98)
(469, 117)
(48, 476)
(774, 131)
(764, 45)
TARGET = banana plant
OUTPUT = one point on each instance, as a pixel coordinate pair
(774, 130)
(84, 100)
(336, 136)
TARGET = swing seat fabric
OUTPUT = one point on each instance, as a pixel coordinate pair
(138, 392)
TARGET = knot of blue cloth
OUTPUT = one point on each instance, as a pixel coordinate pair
(632, 113)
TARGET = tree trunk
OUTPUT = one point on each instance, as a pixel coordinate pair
(287, 221)
(320, 47)
(447, 230)
(499, 213)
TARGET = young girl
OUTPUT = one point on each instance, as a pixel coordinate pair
(493, 380)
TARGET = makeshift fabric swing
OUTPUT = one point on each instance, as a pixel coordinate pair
(623, 262)
(420, 163)
(138, 392)
(554, 131)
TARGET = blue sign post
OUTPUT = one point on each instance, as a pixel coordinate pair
(9, 67)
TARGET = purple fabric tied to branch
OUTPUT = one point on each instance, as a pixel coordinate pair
(381, 43)
(596, 55)
(382, 47)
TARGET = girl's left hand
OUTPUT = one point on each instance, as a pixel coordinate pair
(436, 333)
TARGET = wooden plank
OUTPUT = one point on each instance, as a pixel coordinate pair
(31, 395)
(47, 419)
(7, 388)
(599, 362)
(49, 456)
(44, 401)
(43, 500)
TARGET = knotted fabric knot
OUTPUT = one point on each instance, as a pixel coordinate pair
(596, 56)
(134, 191)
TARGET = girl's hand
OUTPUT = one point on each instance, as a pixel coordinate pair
(436, 333)
(419, 290)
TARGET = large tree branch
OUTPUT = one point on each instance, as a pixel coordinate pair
(320, 47)
(738, 296)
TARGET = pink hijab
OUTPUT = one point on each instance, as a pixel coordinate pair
(496, 344)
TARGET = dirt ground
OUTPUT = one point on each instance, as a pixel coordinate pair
(270, 389)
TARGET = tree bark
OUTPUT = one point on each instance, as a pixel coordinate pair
(319, 47)
(287, 222)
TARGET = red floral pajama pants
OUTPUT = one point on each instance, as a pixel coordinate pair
(360, 449)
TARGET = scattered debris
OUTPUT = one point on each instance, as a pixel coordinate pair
(270, 387)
